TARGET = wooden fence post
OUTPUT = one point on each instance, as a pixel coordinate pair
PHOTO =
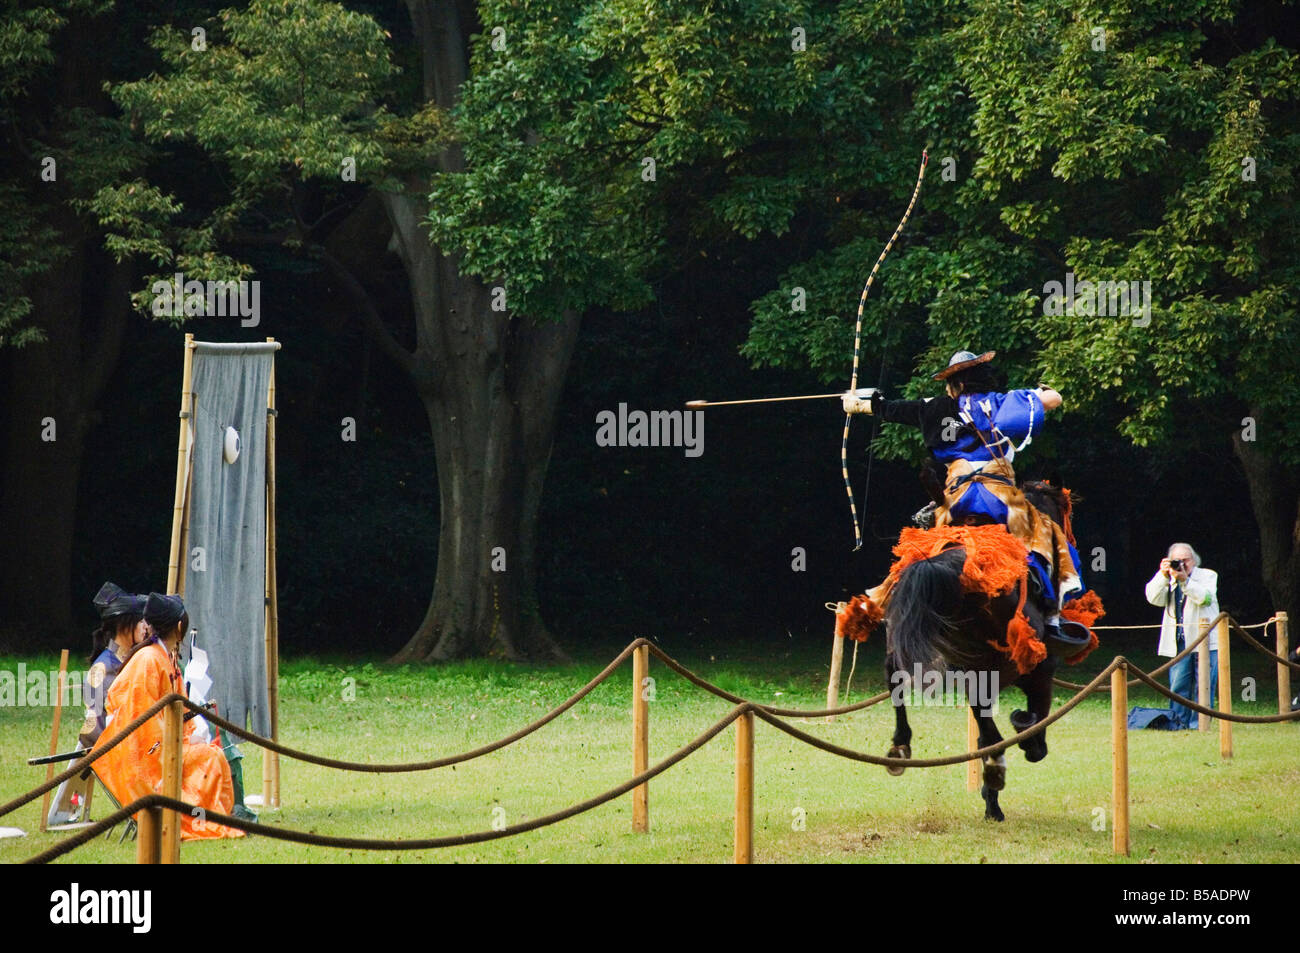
(1119, 759)
(837, 664)
(972, 743)
(173, 735)
(1203, 677)
(54, 735)
(744, 852)
(1283, 673)
(640, 737)
(148, 842)
(1225, 690)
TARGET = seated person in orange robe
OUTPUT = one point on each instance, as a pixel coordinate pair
(134, 768)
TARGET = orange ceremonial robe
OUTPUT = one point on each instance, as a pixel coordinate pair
(134, 768)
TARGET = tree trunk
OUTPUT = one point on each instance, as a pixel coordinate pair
(52, 391)
(490, 383)
(1275, 498)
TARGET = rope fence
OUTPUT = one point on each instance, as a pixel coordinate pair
(158, 814)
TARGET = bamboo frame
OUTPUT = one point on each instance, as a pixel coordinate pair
(270, 759)
(1225, 690)
(182, 467)
(1119, 759)
(183, 548)
(744, 848)
(173, 735)
(1203, 677)
(837, 665)
(54, 736)
(179, 538)
(1283, 673)
(640, 738)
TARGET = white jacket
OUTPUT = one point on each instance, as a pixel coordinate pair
(1202, 602)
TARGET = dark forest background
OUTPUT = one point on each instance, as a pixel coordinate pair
(634, 541)
(646, 541)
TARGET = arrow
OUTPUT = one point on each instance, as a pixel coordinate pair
(694, 404)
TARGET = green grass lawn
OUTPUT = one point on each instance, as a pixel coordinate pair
(1188, 805)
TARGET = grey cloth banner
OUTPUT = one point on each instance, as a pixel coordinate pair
(226, 599)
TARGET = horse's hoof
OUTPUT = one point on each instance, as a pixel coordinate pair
(902, 752)
(1035, 748)
(995, 775)
(992, 812)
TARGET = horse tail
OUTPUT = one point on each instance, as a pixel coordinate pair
(923, 606)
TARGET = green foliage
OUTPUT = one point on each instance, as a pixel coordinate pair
(1122, 164)
(81, 144)
(281, 95)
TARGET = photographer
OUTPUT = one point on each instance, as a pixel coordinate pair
(1188, 594)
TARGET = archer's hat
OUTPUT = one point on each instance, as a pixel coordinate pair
(112, 600)
(964, 360)
(163, 611)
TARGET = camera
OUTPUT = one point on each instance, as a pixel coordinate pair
(1175, 565)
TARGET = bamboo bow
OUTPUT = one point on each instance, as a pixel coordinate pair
(857, 341)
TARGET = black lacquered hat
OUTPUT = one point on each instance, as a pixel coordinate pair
(162, 611)
(112, 600)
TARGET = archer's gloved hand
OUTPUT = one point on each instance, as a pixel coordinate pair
(859, 401)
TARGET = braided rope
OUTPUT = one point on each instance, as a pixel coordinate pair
(764, 712)
(857, 350)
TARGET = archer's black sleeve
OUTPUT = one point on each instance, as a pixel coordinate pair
(910, 412)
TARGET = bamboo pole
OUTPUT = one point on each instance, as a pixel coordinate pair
(1283, 673)
(744, 850)
(972, 743)
(54, 734)
(173, 734)
(271, 760)
(1225, 690)
(1203, 677)
(182, 465)
(640, 737)
(148, 842)
(1119, 759)
(184, 548)
(837, 665)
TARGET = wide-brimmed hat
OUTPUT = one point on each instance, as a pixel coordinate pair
(162, 611)
(964, 360)
(112, 601)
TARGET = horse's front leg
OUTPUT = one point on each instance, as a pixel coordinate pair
(902, 746)
(1037, 686)
(995, 766)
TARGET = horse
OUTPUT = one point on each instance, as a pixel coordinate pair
(931, 618)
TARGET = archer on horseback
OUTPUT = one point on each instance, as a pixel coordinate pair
(973, 433)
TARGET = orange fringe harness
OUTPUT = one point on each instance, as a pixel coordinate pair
(996, 562)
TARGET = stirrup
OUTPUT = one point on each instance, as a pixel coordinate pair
(1066, 638)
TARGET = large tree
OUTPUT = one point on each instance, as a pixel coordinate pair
(281, 97)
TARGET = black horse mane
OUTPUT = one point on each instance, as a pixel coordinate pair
(923, 608)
